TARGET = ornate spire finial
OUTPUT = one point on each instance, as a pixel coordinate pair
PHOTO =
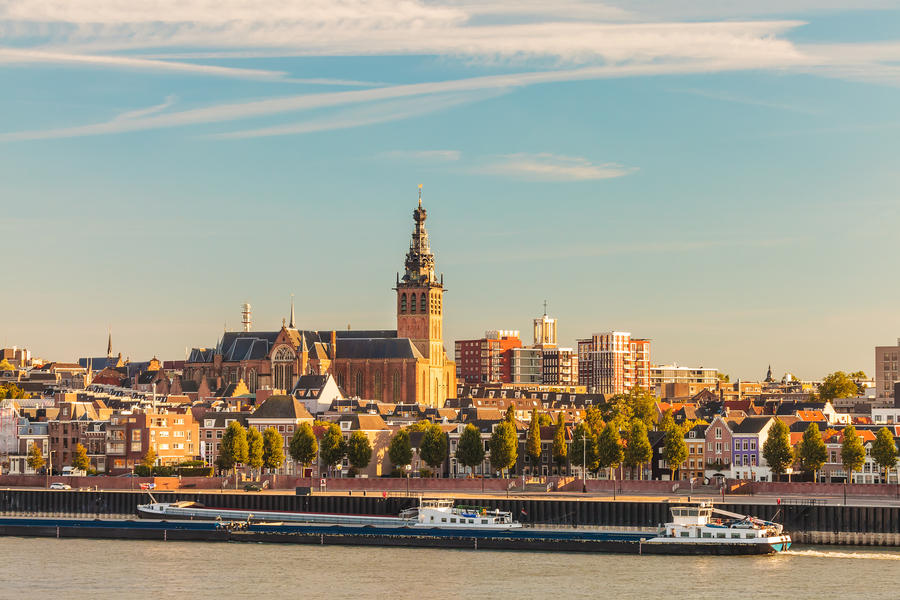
(109, 343)
(292, 312)
(545, 308)
(420, 195)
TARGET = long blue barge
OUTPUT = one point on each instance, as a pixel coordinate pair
(574, 540)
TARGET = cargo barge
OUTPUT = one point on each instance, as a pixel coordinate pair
(754, 537)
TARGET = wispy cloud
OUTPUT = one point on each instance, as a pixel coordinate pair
(144, 112)
(552, 167)
(25, 56)
(728, 97)
(424, 155)
(380, 112)
(261, 108)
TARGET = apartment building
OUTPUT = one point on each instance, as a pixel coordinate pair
(613, 362)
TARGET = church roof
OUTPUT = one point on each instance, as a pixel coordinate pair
(377, 348)
(281, 407)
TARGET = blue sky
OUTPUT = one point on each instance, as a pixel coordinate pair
(718, 177)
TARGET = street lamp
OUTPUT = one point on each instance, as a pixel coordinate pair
(408, 468)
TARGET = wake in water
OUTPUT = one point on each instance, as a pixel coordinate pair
(828, 554)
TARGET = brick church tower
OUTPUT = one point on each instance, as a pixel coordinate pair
(420, 296)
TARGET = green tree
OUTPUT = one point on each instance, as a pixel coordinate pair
(400, 450)
(470, 449)
(35, 460)
(594, 419)
(544, 420)
(584, 447)
(618, 409)
(254, 448)
(504, 446)
(858, 376)
(643, 405)
(609, 448)
(510, 416)
(837, 385)
(560, 449)
(666, 421)
(149, 459)
(811, 451)
(777, 448)
(6, 366)
(533, 441)
(303, 446)
(359, 450)
(675, 450)
(12, 391)
(233, 448)
(724, 377)
(638, 451)
(853, 453)
(433, 449)
(423, 426)
(273, 448)
(884, 451)
(333, 447)
(80, 458)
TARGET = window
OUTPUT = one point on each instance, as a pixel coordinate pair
(378, 384)
(403, 303)
(422, 303)
(359, 384)
(718, 433)
(709, 446)
(163, 446)
(727, 447)
(753, 444)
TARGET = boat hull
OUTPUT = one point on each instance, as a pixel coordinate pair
(369, 535)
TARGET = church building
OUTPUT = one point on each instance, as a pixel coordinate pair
(406, 365)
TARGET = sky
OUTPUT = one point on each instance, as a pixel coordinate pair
(719, 176)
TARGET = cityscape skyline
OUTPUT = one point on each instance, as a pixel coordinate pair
(718, 178)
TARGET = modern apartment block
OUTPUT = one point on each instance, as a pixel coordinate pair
(660, 374)
(613, 362)
(886, 374)
(560, 367)
(489, 359)
(526, 365)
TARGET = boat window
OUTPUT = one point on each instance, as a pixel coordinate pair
(432, 518)
(685, 533)
(720, 535)
(443, 519)
(707, 534)
(452, 520)
(736, 535)
(472, 521)
(751, 535)
(484, 521)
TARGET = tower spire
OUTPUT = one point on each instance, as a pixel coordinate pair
(292, 312)
(109, 344)
(420, 195)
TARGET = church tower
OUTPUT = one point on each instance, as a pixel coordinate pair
(420, 296)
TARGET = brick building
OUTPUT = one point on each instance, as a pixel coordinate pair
(613, 362)
(173, 435)
(488, 359)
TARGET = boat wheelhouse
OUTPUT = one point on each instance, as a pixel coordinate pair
(444, 513)
(702, 523)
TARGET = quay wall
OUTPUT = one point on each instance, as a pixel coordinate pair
(875, 525)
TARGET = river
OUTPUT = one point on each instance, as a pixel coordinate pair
(76, 568)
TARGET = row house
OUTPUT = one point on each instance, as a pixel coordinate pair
(833, 471)
(29, 433)
(212, 428)
(748, 438)
(172, 434)
(694, 466)
(379, 435)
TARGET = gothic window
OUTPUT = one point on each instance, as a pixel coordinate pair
(359, 384)
(396, 385)
(283, 368)
(378, 384)
(340, 379)
(422, 305)
(412, 302)
(403, 303)
(251, 380)
(434, 392)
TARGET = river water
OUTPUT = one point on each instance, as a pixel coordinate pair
(73, 568)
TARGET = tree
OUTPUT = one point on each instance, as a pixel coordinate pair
(638, 451)
(359, 450)
(80, 459)
(303, 446)
(400, 451)
(777, 448)
(510, 416)
(674, 449)
(423, 426)
(724, 377)
(35, 460)
(617, 408)
(470, 450)
(504, 446)
(273, 448)
(544, 420)
(609, 448)
(333, 447)
(666, 421)
(12, 391)
(433, 449)
(858, 376)
(837, 385)
(149, 459)
(6, 366)
(254, 448)
(884, 451)
(560, 449)
(811, 451)
(594, 419)
(643, 405)
(853, 453)
(533, 441)
(584, 447)
(233, 448)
